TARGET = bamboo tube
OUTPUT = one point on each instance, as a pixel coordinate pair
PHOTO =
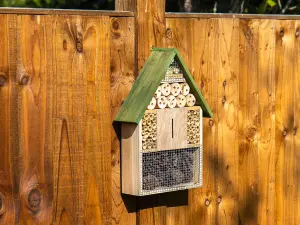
(190, 100)
(165, 89)
(152, 104)
(175, 89)
(181, 101)
(162, 102)
(158, 92)
(171, 101)
(185, 89)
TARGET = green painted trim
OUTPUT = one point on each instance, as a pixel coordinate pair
(147, 82)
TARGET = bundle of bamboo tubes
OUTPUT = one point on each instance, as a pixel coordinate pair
(193, 126)
(171, 95)
(149, 131)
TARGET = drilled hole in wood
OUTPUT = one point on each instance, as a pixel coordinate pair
(34, 200)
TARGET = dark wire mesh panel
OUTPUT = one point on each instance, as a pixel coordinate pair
(174, 73)
(171, 170)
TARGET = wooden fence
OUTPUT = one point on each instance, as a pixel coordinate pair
(64, 75)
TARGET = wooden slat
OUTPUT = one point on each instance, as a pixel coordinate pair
(81, 119)
(285, 170)
(32, 105)
(126, 5)
(266, 141)
(43, 11)
(227, 59)
(296, 130)
(150, 33)
(8, 133)
(248, 123)
(122, 69)
(180, 39)
(231, 15)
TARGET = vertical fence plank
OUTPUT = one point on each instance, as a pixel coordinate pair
(151, 31)
(81, 119)
(35, 186)
(285, 179)
(296, 130)
(228, 105)
(179, 36)
(122, 34)
(202, 205)
(248, 123)
(266, 144)
(8, 201)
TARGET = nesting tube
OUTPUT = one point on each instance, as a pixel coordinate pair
(171, 101)
(165, 89)
(175, 89)
(190, 100)
(181, 101)
(185, 89)
(158, 93)
(152, 104)
(162, 102)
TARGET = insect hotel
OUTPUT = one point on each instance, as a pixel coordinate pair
(162, 128)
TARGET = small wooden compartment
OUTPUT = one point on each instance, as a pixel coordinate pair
(163, 152)
(162, 128)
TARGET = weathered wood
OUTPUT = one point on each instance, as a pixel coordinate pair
(9, 209)
(296, 130)
(32, 105)
(266, 143)
(231, 15)
(227, 58)
(123, 72)
(248, 123)
(285, 171)
(36, 11)
(81, 119)
(131, 145)
(126, 5)
(60, 156)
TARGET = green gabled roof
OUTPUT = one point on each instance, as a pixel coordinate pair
(148, 81)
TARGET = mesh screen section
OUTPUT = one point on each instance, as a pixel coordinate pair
(171, 170)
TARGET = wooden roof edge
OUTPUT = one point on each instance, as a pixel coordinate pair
(130, 112)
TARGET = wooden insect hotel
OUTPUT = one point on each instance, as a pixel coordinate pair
(162, 128)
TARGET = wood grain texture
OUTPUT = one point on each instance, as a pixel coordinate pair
(35, 184)
(266, 140)
(171, 128)
(131, 146)
(60, 155)
(296, 130)
(248, 123)
(228, 106)
(126, 5)
(123, 72)
(8, 135)
(285, 169)
(81, 119)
